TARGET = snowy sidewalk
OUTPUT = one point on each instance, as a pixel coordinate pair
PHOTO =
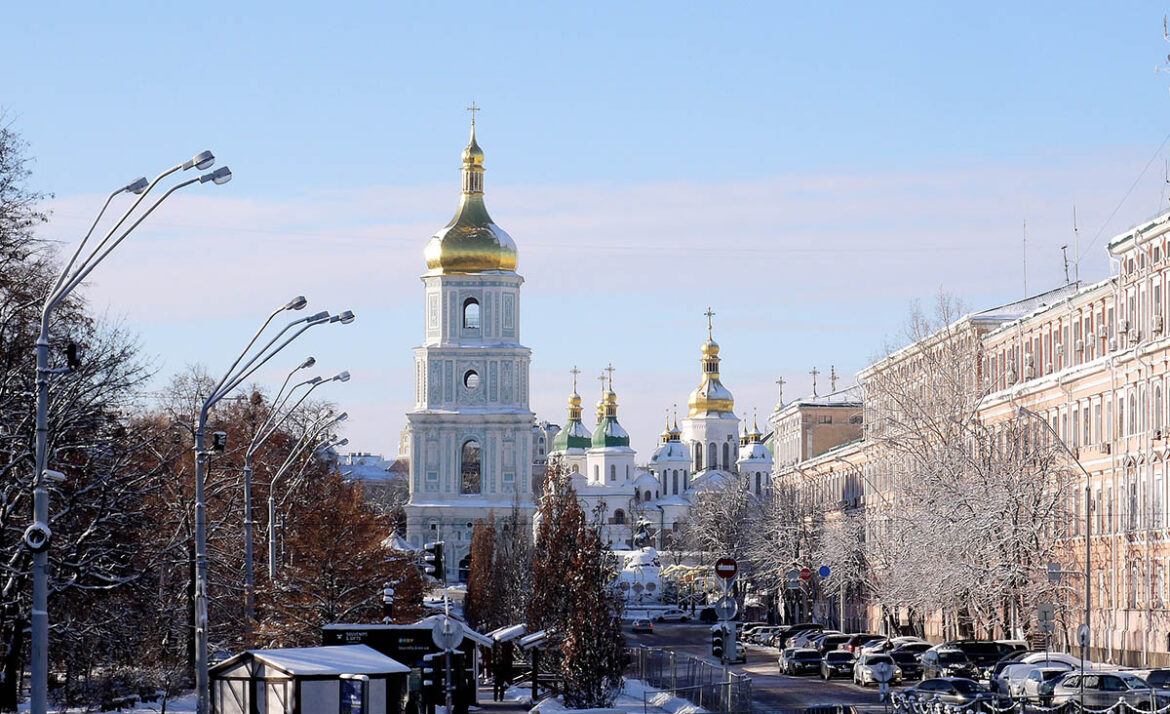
(636, 698)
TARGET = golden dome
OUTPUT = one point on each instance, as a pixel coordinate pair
(711, 397)
(471, 242)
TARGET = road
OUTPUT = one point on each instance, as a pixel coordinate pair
(770, 689)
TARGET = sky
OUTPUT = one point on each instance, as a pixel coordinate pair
(808, 171)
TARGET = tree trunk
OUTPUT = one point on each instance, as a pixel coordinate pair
(10, 685)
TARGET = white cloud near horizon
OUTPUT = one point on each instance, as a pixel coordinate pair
(802, 270)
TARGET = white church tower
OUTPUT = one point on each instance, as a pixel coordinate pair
(711, 427)
(471, 427)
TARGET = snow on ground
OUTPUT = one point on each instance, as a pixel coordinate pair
(180, 705)
(636, 698)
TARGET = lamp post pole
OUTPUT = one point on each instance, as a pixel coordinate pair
(1088, 528)
(310, 435)
(235, 376)
(37, 537)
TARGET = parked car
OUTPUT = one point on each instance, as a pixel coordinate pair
(984, 654)
(836, 663)
(804, 660)
(854, 643)
(1032, 685)
(917, 648)
(673, 615)
(1009, 677)
(907, 640)
(874, 646)
(863, 669)
(785, 659)
(759, 635)
(808, 637)
(1103, 689)
(953, 690)
(946, 662)
(642, 624)
(832, 642)
(740, 653)
(908, 662)
(1159, 678)
(784, 633)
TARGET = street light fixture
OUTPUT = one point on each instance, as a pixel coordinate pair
(232, 379)
(72, 275)
(310, 435)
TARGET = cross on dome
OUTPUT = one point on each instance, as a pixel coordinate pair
(473, 109)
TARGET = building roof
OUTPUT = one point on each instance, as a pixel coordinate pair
(317, 661)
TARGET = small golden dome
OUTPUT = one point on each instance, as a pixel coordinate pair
(710, 348)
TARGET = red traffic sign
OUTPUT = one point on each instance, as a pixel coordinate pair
(726, 568)
(805, 574)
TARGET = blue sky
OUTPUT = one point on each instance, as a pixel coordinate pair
(806, 170)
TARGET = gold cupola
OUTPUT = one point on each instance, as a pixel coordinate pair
(711, 398)
(471, 242)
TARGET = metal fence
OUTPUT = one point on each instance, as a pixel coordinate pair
(691, 678)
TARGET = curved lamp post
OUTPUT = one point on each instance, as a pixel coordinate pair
(303, 443)
(70, 277)
(233, 378)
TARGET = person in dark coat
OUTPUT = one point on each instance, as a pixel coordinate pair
(502, 670)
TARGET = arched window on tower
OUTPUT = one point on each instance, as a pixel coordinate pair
(619, 516)
(674, 482)
(613, 472)
(698, 457)
(471, 314)
(726, 456)
(713, 456)
(469, 468)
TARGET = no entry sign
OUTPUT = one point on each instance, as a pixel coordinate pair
(726, 568)
(805, 574)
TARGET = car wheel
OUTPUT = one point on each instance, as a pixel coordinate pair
(683, 618)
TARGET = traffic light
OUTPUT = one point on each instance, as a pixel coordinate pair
(433, 559)
(717, 636)
(433, 678)
(218, 441)
(388, 604)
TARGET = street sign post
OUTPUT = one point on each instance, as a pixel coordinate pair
(1083, 635)
(824, 571)
(805, 574)
(792, 580)
(1046, 617)
(726, 568)
(726, 608)
(447, 633)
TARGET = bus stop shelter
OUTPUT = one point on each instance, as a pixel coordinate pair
(354, 679)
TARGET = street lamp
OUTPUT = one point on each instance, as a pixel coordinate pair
(310, 435)
(1024, 411)
(69, 278)
(235, 376)
(266, 430)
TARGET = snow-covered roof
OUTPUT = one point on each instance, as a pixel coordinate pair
(646, 479)
(507, 634)
(529, 641)
(754, 452)
(328, 660)
(671, 451)
(713, 478)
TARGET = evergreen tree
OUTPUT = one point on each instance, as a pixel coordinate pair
(593, 641)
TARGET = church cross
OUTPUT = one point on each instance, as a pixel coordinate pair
(780, 382)
(602, 378)
(832, 378)
(574, 371)
(609, 369)
(709, 315)
(473, 109)
(814, 374)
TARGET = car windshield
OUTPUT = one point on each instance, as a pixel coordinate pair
(914, 647)
(838, 656)
(966, 686)
(808, 654)
(952, 657)
(1134, 682)
(1048, 674)
(901, 657)
(875, 659)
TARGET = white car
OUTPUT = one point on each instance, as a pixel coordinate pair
(863, 669)
(1030, 686)
(673, 615)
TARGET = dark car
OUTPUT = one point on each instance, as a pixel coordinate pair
(947, 662)
(854, 643)
(828, 643)
(1159, 678)
(708, 615)
(804, 661)
(785, 633)
(955, 691)
(984, 654)
(909, 662)
(836, 663)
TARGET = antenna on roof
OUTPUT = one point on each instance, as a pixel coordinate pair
(1064, 252)
(1076, 248)
(1025, 257)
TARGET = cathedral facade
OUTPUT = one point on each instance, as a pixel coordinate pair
(474, 445)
